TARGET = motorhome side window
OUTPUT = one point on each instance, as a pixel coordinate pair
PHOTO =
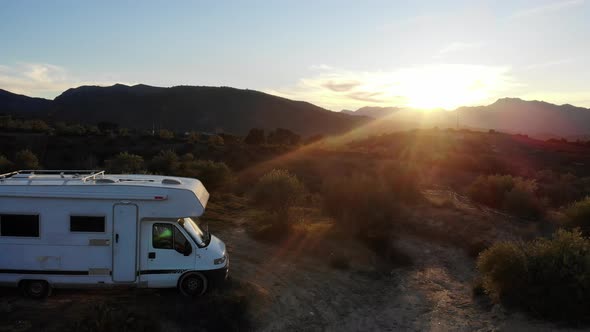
(87, 224)
(19, 225)
(167, 236)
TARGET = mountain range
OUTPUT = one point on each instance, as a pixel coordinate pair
(512, 115)
(200, 108)
(375, 112)
(181, 108)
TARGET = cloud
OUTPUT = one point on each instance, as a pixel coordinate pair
(549, 64)
(39, 79)
(320, 67)
(547, 8)
(429, 86)
(459, 46)
(341, 86)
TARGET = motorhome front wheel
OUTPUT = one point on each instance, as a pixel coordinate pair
(193, 284)
(37, 289)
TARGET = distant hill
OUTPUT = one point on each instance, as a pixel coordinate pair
(12, 102)
(185, 108)
(374, 112)
(535, 118)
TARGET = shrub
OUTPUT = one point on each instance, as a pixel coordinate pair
(277, 191)
(213, 174)
(523, 204)
(5, 165)
(490, 190)
(282, 136)
(26, 159)
(125, 162)
(215, 140)
(255, 137)
(578, 215)
(513, 194)
(165, 162)
(561, 189)
(165, 134)
(550, 277)
(368, 203)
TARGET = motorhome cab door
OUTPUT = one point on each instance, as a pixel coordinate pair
(166, 252)
(124, 242)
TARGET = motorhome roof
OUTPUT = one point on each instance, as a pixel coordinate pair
(92, 177)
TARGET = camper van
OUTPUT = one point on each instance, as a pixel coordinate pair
(91, 229)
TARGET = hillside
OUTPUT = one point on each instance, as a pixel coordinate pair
(374, 112)
(536, 118)
(185, 108)
(12, 102)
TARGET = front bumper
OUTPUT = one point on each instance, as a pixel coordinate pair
(217, 277)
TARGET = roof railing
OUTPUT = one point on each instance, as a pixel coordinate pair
(82, 175)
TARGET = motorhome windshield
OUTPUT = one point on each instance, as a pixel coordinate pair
(199, 234)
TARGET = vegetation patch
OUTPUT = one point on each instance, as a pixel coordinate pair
(578, 215)
(513, 194)
(547, 277)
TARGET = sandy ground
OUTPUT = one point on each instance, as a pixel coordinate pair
(295, 288)
(304, 294)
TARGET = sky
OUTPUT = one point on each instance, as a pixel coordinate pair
(336, 54)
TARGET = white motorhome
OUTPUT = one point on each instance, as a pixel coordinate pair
(88, 228)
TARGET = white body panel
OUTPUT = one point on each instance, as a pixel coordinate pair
(117, 256)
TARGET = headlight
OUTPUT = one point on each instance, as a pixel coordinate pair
(220, 260)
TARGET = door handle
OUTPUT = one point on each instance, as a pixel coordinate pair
(151, 255)
(116, 238)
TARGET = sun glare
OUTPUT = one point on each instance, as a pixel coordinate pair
(449, 87)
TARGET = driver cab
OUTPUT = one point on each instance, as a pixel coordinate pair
(168, 248)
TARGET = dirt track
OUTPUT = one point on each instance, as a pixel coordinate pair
(303, 293)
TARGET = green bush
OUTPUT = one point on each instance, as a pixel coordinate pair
(26, 159)
(523, 204)
(165, 162)
(369, 202)
(549, 277)
(277, 191)
(5, 165)
(560, 189)
(125, 162)
(490, 190)
(513, 194)
(578, 215)
(211, 173)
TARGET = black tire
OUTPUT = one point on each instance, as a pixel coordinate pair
(36, 289)
(193, 284)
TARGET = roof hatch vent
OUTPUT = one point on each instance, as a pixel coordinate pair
(171, 181)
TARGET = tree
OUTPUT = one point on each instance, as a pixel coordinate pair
(255, 137)
(26, 159)
(282, 136)
(125, 162)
